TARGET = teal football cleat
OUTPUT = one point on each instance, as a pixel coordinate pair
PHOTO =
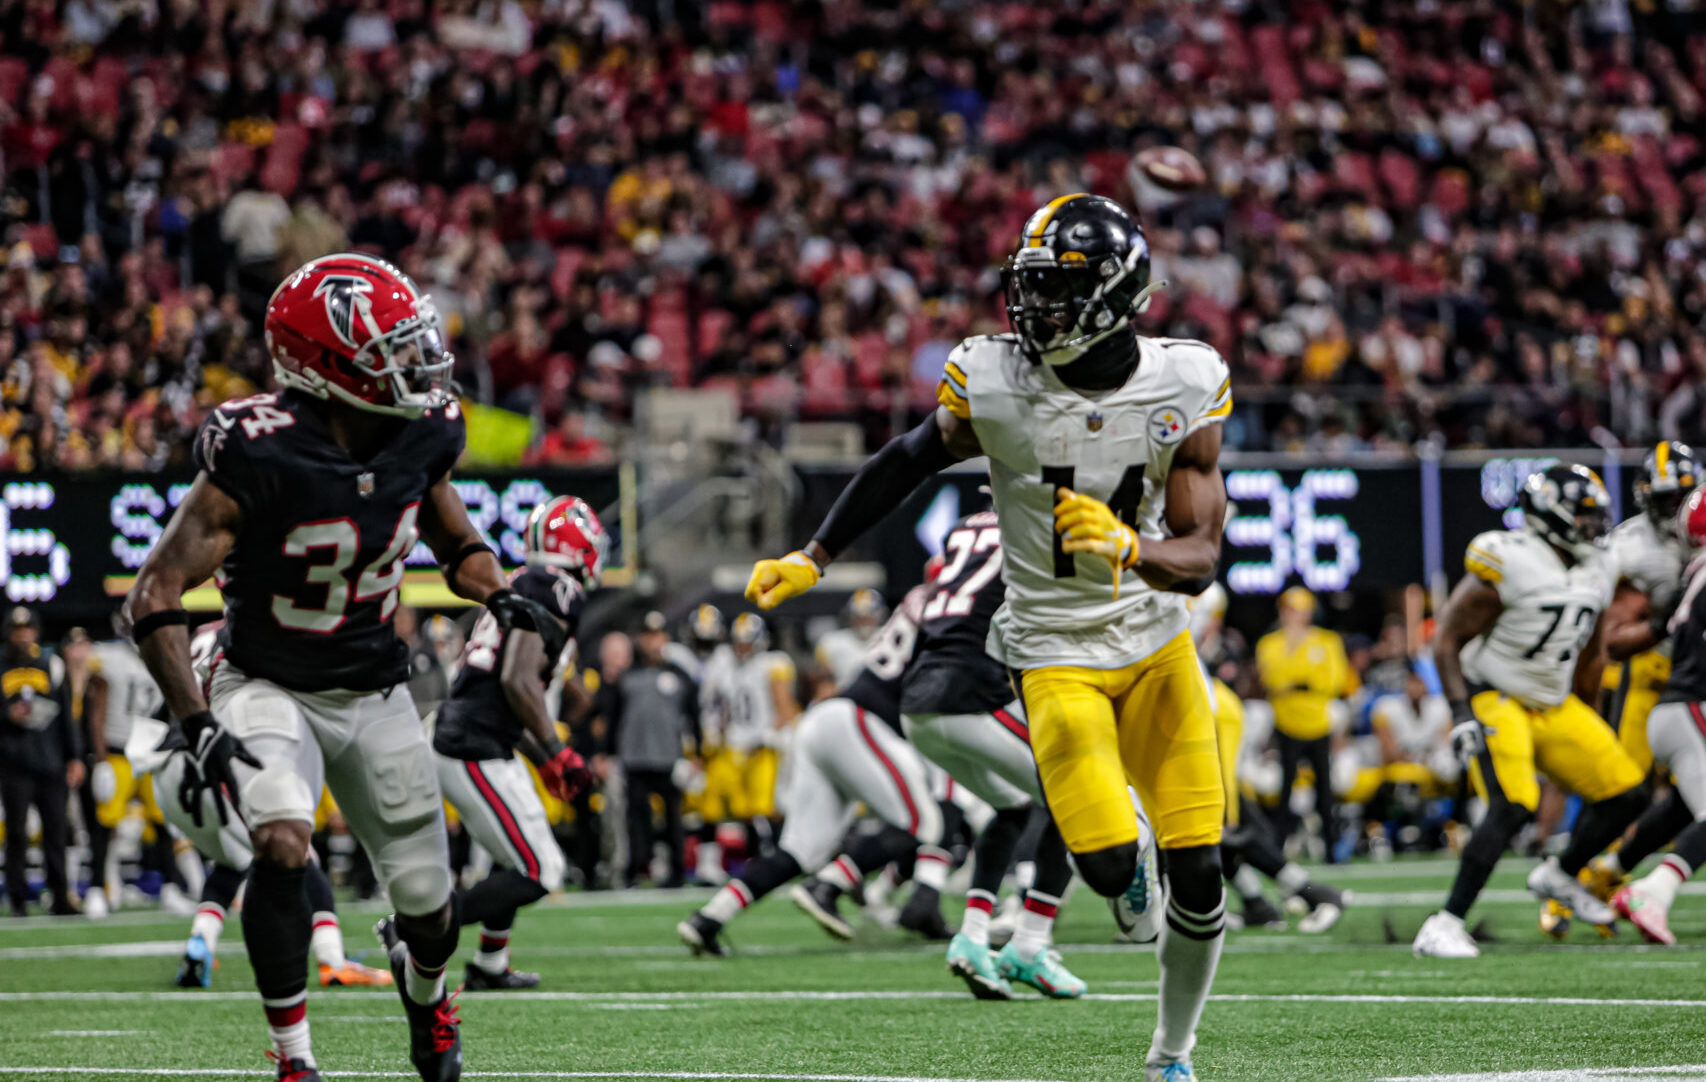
(1045, 973)
(196, 968)
(1169, 1072)
(974, 964)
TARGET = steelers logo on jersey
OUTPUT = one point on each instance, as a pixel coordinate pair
(1167, 425)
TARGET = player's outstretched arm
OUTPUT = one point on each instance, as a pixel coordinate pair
(471, 568)
(197, 540)
(1196, 511)
(882, 483)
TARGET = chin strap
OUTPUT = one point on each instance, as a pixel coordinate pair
(1140, 303)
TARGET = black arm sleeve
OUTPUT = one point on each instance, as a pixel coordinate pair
(690, 707)
(888, 478)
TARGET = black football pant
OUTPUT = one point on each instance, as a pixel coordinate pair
(1318, 754)
(19, 790)
(100, 837)
(643, 783)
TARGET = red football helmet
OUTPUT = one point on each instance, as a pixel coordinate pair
(1691, 519)
(564, 533)
(356, 327)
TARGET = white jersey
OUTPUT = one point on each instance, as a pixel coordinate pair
(692, 663)
(1549, 614)
(842, 652)
(131, 691)
(742, 692)
(1117, 446)
(1648, 560)
(1417, 728)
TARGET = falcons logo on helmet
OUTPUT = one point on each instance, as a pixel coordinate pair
(346, 297)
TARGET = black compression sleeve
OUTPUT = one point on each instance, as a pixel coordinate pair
(888, 478)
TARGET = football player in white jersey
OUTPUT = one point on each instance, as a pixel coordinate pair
(1651, 555)
(119, 690)
(1103, 448)
(755, 700)
(1519, 651)
(842, 651)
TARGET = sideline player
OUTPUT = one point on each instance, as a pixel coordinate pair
(1103, 448)
(1676, 732)
(1518, 651)
(847, 750)
(307, 502)
(841, 650)
(496, 706)
(754, 698)
(120, 690)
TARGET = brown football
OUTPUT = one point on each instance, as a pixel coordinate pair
(1173, 168)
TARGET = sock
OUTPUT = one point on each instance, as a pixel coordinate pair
(190, 868)
(1316, 894)
(1662, 883)
(1025, 874)
(493, 900)
(430, 940)
(1482, 852)
(1189, 952)
(1661, 822)
(760, 876)
(975, 924)
(840, 873)
(1247, 882)
(493, 955)
(994, 850)
(276, 932)
(1035, 928)
(1598, 826)
(1051, 872)
(931, 869)
(208, 923)
(327, 940)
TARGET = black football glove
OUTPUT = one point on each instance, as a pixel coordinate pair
(1468, 735)
(1664, 604)
(514, 611)
(209, 748)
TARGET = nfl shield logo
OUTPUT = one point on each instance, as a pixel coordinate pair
(1094, 422)
(364, 485)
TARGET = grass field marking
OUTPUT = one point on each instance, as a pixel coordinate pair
(1691, 1072)
(93, 1032)
(849, 995)
(682, 1076)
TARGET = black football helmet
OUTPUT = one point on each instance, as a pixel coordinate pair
(706, 627)
(1081, 269)
(1668, 474)
(1567, 506)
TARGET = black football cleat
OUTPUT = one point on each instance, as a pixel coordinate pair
(700, 934)
(1261, 913)
(820, 901)
(435, 1030)
(294, 1070)
(923, 915)
(475, 979)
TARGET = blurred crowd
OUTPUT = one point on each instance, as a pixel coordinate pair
(1478, 223)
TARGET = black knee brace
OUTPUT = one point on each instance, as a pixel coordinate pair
(1193, 877)
(1108, 871)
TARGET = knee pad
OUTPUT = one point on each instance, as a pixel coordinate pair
(277, 793)
(1193, 877)
(420, 890)
(1108, 871)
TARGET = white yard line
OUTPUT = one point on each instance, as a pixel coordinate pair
(685, 1076)
(93, 1032)
(1693, 1072)
(851, 995)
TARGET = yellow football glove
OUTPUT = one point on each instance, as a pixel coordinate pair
(775, 581)
(1086, 524)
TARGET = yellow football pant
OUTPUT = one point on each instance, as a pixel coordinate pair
(1568, 743)
(1149, 725)
(111, 813)
(1229, 734)
(1647, 675)
(739, 785)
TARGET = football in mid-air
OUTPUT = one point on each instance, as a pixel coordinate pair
(1173, 168)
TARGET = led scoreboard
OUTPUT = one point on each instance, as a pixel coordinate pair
(71, 545)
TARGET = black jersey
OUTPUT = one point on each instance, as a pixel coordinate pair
(1687, 683)
(311, 583)
(876, 686)
(476, 722)
(953, 673)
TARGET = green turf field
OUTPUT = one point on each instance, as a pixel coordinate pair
(621, 999)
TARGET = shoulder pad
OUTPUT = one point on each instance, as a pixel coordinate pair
(1203, 374)
(1486, 556)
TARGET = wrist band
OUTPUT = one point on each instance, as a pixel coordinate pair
(154, 621)
(463, 553)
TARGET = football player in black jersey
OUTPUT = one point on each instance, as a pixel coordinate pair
(847, 750)
(498, 705)
(306, 506)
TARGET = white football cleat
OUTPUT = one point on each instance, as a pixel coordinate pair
(1548, 882)
(1444, 936)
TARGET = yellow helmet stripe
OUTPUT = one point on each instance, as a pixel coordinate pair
(1661, 457)
(1036, 237)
